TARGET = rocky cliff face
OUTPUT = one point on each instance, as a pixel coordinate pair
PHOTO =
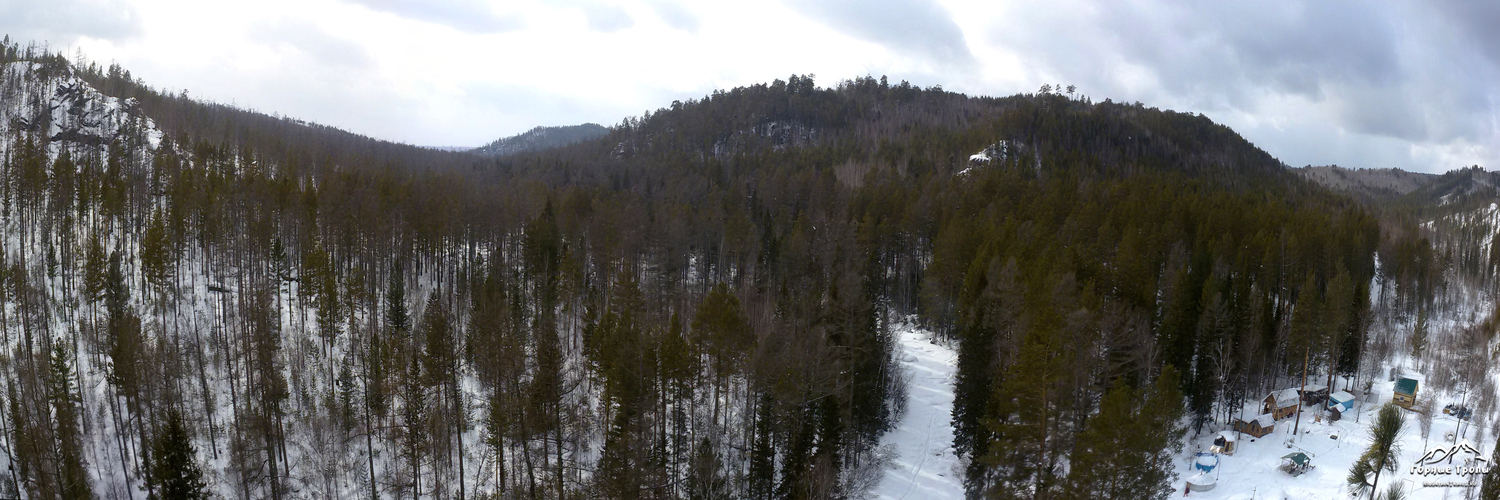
(35, 97)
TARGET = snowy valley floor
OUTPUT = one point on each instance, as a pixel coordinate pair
(1253, 473)
(924, 465)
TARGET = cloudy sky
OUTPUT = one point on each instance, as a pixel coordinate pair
(1366, 83)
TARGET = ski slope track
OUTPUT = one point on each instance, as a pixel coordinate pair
(924, 465)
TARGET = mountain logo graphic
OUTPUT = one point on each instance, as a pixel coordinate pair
(1439, 455)
(1440, 460)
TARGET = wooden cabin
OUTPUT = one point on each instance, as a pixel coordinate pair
(1281, 404)
(1258, 426)
(1406, 393)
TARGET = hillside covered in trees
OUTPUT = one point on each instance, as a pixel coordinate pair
(541, 139)
(696, 304)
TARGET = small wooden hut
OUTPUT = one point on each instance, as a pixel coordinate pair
(1406, 393)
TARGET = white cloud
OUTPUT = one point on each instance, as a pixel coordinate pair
(62, 21)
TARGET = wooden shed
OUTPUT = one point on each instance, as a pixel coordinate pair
(1406, 393)
(1223, 443)
(1314, 394)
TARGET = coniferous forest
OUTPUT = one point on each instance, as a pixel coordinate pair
(203, 301)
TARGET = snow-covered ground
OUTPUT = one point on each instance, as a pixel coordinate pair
(924, 465)
(1253, 472)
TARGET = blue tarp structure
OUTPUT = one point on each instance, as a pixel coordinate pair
(1341, 401)
(1206, 461)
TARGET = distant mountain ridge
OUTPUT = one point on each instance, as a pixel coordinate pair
(541, 138)
(1459, 189)
(1368, 185)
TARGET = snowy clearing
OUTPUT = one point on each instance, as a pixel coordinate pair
(1253, 471)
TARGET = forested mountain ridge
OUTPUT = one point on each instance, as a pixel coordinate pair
(541, 138)
(695, 305)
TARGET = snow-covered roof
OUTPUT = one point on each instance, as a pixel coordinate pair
(1228, 436)
(1284, 397)
(1315, 388)
(1265, 421)
(1341, 397)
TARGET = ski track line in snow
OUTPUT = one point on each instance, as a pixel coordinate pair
(923, 440)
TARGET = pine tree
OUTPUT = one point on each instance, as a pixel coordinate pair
(414, 440)
(95, 269)
(1384, 450)
(174, 468)
(1025, 445)
(347, 399)
(438, 350)
(1490, 490)
(157, 262)
(126, 340)
(395, 299)
(74, 475)
(497, 428)
(1126, 450)
(720, 326)
(988, 330)
(763, 452)
(706, 479)
(1307, 318)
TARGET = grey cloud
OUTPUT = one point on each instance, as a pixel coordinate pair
(305, 37)
(920, 28)
(1293, 47)
(497, 110)
(62, 21)
(606, 18)
(1476, 19)
(1386, 69)
(473, 16)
